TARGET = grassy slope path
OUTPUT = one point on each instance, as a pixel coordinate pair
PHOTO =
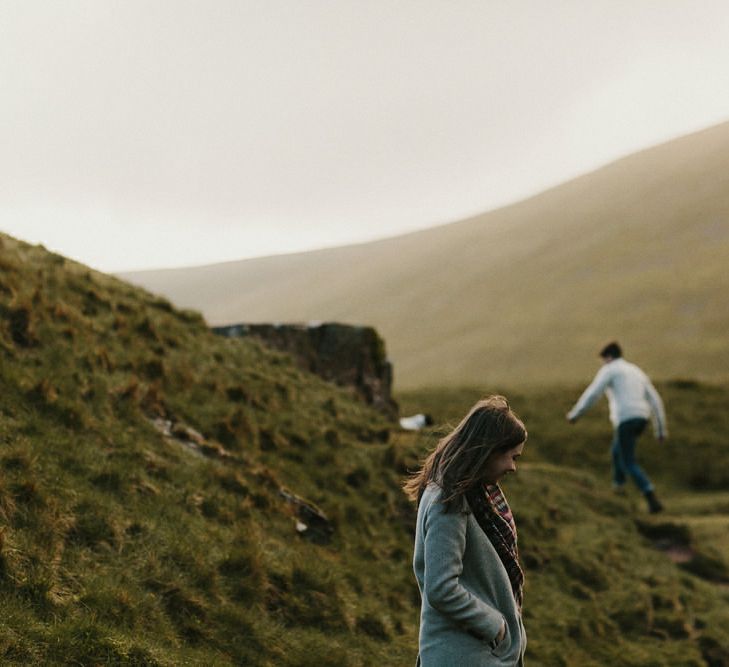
(602, 588)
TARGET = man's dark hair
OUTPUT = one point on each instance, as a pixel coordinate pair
(611, 350)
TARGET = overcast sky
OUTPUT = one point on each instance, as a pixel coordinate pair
(155, 133)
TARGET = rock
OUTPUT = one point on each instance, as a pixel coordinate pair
(416, 422)
(191, 439)
(349, 356)
(311, 522)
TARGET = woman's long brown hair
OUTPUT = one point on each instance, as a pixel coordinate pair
(458, 460)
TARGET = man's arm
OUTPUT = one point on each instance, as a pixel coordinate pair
(591, 394)
(658, 413)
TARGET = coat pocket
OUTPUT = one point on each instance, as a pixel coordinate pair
(502, 648)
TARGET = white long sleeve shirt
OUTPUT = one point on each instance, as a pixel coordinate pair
(630, 395)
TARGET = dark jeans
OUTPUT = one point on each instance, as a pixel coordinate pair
(623, 453)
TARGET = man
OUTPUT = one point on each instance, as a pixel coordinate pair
(632, 400)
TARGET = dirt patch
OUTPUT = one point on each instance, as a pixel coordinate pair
(678, 553)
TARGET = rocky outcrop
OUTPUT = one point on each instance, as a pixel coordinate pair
(350, 356)
(311, 522)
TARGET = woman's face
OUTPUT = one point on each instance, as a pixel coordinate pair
(501, 464)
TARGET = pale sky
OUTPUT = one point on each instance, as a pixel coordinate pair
(155, 133)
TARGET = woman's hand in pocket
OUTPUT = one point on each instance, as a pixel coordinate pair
(500, 637)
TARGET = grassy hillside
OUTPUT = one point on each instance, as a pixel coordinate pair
(526, 294)
(148, 512)
(608, 584)
(123, 546)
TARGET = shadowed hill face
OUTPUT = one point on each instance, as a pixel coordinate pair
(527, 294)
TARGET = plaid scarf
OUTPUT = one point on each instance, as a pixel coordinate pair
(493, 514)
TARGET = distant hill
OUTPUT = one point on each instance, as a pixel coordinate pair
(171, 497)
(637, 250)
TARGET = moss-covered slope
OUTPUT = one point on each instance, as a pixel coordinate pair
(150, 472)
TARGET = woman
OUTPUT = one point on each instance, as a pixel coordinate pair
(466, 561)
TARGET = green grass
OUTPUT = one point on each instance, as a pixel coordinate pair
(601, 588)
(120, 545)
(123, 546)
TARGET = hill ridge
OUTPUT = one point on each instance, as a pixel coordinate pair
(636, 251)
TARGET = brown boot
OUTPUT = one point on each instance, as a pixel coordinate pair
(654, 504)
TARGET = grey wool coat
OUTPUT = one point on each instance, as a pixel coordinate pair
(465, 591)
